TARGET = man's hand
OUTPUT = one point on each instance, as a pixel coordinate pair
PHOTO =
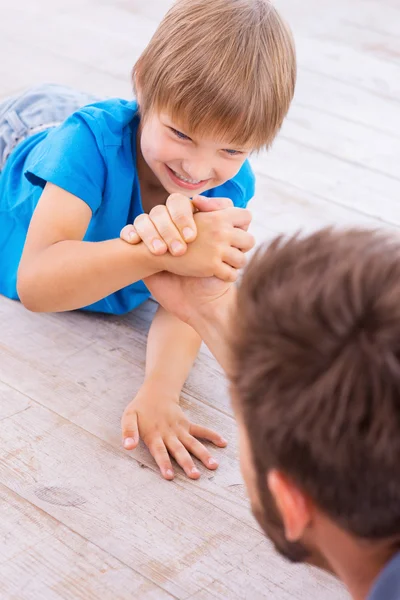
(157, 418)
(219, 249)
(171, 227)
(185, 297)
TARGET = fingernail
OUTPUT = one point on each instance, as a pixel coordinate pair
(158, 244)
(176, 246)
(128, 442)
(131, 235)
(188, 233)
(169, 473)
(195, 471)
(212, 461)
(223, 440)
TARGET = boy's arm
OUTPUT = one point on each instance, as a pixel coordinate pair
(155, 414)
(58, 271)
(172, 347)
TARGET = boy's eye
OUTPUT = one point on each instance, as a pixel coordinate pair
(233, 152)
(179, 134)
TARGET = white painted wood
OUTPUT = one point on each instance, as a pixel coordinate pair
(40, 558)
(81, 518)
(143, 522)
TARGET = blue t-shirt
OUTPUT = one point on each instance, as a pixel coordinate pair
(91, 155)
(387, 586)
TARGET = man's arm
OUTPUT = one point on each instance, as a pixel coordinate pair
(213, 322)
(206, 304)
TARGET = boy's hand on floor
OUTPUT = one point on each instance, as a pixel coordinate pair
(171, 227)
(159, 421)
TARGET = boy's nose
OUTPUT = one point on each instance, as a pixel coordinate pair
(197, 171)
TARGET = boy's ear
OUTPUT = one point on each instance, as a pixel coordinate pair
(137, 88)
(292, 504)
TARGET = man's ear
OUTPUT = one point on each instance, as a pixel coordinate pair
(292, 504)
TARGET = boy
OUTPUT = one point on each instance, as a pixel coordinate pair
(213, 85)
(315, 383)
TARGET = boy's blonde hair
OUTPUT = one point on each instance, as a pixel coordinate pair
(224, 67)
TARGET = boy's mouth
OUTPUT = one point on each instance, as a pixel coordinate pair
(185, 182)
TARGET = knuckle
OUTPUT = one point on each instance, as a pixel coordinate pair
(247, 215)
(141, 221)
(176, 197)
(155, 446)
(157, 211)
(179, 217)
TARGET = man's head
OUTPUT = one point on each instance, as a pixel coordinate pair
(316, 387)
(214, 84)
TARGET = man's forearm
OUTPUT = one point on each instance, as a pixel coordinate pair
(73, 274)
(172, 347)
(213, 323)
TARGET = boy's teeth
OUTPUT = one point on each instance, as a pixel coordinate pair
(193, 181)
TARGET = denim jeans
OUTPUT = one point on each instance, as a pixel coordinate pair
(35, 110)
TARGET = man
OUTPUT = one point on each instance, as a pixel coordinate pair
(311, 344)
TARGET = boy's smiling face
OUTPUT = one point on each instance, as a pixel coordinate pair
(185, 164)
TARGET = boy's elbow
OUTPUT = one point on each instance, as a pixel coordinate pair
(25, 291)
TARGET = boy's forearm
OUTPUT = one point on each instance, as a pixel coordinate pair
(172, 347)
(73, 274)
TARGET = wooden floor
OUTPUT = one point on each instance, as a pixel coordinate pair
(80, 518)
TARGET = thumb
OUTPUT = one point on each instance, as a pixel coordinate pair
(204, 204)
(128, 234)
(130, 431)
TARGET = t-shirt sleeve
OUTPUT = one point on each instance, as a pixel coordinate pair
(72, 157)
(240, 189)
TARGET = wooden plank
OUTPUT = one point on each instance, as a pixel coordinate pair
(357, 144)
(334, 179)
(344, 21)
(40, 558)
(150, 525)
(81, 391)
(353, 105)
(351, 66)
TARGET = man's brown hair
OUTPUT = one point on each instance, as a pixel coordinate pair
(316, 370)
(222, 68)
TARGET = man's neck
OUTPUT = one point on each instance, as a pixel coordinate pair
(355, 562)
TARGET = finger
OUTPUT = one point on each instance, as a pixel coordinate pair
(129, 234)
(167, 231)
(235, 258)
(197, 449)
(204, 433)
(242, 239)
(239, 217)
(180, 209)
(204, 204)
(226, 273)
(149, 234)
(182, 457)
(160, 454)
(130, 430)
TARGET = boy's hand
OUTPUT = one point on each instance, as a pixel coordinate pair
(158, 419)
(171, 226)
(219, 249)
